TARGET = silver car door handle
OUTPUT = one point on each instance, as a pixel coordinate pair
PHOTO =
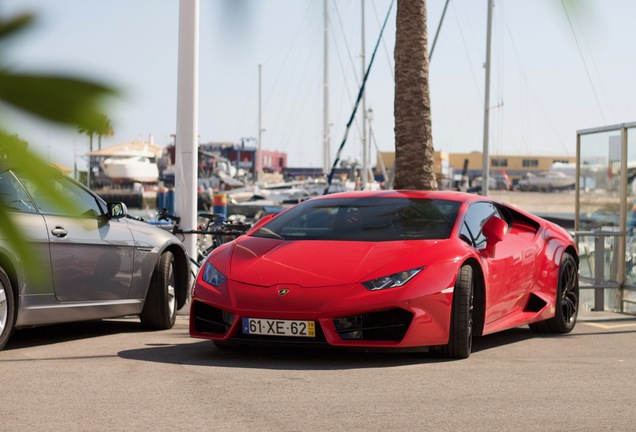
(59, 232)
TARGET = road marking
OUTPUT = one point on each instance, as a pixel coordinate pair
(610, 326)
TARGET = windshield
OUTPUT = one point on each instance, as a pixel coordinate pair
(364, 219)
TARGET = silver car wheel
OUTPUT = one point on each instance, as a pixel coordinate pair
(160, 307)
(7, 308)
(172, 299)
(4, 309)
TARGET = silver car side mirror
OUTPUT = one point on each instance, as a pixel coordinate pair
(117, 210)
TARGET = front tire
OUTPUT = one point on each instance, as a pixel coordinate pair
(567, 300)
(7, 308)
(160, 307)
(461, 326)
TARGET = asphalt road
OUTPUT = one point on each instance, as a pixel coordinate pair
(113, 376)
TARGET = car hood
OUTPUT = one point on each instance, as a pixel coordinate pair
(313, 263)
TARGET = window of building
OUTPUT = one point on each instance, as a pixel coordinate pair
(499, 162)
(530, 163)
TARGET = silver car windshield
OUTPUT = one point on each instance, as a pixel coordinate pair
(364, 219)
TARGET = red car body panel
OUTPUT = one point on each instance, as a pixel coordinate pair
(322, 279)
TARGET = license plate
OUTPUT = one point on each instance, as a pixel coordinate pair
(271, 327)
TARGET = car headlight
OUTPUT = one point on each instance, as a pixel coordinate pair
(212, 276)
(392, 281)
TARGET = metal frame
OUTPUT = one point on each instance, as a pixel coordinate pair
(600, 282)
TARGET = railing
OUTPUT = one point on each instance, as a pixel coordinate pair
(594, 262)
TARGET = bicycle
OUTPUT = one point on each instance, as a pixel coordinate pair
(211, 234)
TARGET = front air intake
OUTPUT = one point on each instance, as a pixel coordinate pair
(390, 325)
(208, 319)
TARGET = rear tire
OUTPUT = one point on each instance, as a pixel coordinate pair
(461, 326)
(567, 300)
(7, 308)
(160, 307)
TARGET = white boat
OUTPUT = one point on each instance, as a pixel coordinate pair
(132, 165)
(546, 181)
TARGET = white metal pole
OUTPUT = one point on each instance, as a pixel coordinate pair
(365, 150)
(187, 119)
(326, 155)
(485, 174)
(259, 154)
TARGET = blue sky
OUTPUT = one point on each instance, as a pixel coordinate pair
(550, 76)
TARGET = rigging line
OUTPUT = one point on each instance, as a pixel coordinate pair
(384, 47)
(603, 90)
(248, 102)
(344, 36)
(533, 93)
(480, 96)
(342, 68)
(360, 93)
(296, 38)
(439, 27)
(345, 78)
(589, 77)
(303, 72)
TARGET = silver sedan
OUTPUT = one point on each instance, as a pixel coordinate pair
(94, 261)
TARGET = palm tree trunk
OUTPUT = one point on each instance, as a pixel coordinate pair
(414, 153)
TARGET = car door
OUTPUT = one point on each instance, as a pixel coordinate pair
(91, 255)
(509, 265)
(30, 225)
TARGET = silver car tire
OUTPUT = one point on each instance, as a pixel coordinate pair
(7, 308)
(160, 308)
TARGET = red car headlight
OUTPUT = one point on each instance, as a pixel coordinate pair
(212, 276)
(391, 281)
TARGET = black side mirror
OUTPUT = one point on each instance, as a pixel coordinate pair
(117, 210)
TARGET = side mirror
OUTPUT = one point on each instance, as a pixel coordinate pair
(494, 230)
(117, 210)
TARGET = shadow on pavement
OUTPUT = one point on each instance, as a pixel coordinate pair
(205, 353)
(57, 333)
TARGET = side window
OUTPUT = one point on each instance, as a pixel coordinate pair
(476, 216)
(86, 205)
(13, 196)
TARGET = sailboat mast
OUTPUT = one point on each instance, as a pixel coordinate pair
(485, 174)
(365, 152)
(326, 154)
(259, 147)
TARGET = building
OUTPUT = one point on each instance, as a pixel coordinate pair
(450, 165)
(515, 166)
(244, 157)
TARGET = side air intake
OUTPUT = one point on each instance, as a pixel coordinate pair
(535, 304)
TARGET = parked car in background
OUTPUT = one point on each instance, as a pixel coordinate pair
(388, 270)
(95, 261)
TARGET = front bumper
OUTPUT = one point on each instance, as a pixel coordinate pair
(344, 316)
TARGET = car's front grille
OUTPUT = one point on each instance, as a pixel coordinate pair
(390, 325)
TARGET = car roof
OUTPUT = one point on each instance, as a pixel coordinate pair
(441, 195)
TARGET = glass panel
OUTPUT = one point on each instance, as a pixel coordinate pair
(600, 180)
(600, 200)
(630, 240)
